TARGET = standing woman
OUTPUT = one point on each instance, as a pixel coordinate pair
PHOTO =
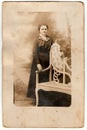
(40, 61)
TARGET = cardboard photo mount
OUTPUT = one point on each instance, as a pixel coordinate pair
(32, 116)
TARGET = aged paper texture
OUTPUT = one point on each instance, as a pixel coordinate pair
(63, 104)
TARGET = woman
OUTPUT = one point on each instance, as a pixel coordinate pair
(40, 59)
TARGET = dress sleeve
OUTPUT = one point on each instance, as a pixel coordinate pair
(35, 53)
(51, 42)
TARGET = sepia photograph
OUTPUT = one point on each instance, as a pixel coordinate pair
(43, 63)
(42, 74)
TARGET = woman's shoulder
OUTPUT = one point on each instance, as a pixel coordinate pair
(49, 37)
(38, 40)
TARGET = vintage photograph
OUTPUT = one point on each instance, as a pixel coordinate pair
(42, 60)
(43, 64)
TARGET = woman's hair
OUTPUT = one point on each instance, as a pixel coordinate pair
(42, 25)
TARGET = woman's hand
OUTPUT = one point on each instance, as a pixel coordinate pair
(39, 67)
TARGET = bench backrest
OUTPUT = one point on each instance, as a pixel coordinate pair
(59, 63)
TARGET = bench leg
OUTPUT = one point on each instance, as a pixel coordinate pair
(36, 97)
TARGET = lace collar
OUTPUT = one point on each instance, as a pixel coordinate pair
(41, 37)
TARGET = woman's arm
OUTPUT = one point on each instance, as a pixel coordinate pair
(35, 53)
(35, 56)
(39, 67)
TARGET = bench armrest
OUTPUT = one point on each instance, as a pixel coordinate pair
(43, 70)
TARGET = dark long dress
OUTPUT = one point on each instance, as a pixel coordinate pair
(40, 56)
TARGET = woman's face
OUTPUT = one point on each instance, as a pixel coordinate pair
(43, 30)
